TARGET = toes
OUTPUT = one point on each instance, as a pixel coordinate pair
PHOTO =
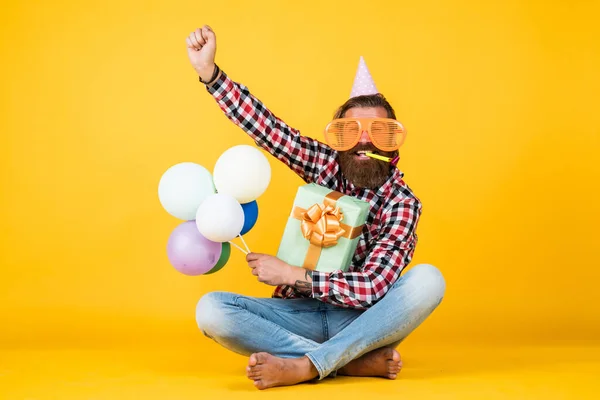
(388, 352)
(253, 360)
(261, 358)
(254, 377)
(253, 373)
(392, 376)
(260, 384)
(394, 367)
(256, 368)
(395, 356)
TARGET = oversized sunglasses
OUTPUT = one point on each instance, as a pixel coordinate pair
(386, 134)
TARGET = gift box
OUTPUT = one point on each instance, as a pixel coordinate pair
(323, 229)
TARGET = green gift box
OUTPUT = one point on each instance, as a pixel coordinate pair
(323, 229)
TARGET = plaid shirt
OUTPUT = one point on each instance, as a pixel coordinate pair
(389, 237)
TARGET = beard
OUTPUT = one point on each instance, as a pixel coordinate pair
(370, 173)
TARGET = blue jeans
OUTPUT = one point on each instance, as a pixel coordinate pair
(330, 336)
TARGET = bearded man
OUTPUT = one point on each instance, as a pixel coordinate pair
(322, 324)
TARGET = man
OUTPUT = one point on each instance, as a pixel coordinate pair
(318, 324)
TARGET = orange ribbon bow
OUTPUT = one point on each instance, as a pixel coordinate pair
(321, 225)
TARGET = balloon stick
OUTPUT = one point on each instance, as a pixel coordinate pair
(245, 245)
(235, 245)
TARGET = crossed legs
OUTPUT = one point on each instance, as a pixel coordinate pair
(291, 341)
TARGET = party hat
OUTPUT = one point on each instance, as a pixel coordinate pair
(363, 82)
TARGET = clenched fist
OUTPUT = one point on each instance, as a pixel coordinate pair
(202, 47)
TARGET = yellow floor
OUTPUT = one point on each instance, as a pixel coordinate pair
(431, 372)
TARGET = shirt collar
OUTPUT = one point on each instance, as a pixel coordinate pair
(394, 177)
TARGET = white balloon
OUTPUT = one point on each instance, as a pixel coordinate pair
(242, 172)
(183, 187)
(220, 218)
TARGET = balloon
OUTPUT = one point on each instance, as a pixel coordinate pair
(225, 253)
(190, 252)
(220, 218)
(250, 216)
(242, 172)
(183, 187)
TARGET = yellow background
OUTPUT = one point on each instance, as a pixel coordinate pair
(98, 99)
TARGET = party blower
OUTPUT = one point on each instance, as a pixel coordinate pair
(393, 161)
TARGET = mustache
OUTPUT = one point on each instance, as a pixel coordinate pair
(363, 147)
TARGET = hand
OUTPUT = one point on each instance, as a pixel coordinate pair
(201, 48)
(270, 270)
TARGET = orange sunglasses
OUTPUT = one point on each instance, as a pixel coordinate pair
(385, 133)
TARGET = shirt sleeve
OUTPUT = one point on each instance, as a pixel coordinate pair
(391, 253)
(301, 154)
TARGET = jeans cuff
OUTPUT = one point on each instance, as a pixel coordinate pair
(318, 366)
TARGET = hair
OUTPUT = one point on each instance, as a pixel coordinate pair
(364, 101)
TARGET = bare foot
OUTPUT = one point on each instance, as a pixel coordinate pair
(268, 371)
(384, 362)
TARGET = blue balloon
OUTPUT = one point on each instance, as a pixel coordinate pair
(250, 216)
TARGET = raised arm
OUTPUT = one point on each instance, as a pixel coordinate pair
(303, 155)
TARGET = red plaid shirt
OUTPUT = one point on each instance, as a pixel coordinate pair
(389, 237)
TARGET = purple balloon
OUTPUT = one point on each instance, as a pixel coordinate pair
(190, 252)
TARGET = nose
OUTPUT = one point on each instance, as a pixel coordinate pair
(364, 138)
